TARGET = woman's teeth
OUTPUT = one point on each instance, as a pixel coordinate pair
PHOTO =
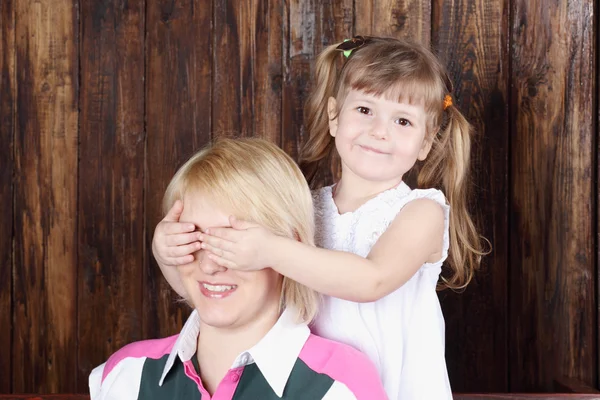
(218, 288)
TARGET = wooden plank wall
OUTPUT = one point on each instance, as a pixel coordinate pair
(472, 37)
(178, 121)
(552, 257)
(110, 210)
(100, 101)
(7, 125)
(44, 295)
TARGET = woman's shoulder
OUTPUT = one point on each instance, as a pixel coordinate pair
(151, 348)
(132, 354)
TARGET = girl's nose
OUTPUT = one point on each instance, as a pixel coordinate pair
(379, 129)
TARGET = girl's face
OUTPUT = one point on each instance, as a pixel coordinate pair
(378, 139)
(224, 298)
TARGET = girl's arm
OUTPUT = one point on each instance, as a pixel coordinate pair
(412, 239)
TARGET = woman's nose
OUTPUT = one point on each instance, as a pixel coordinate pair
(208, 266)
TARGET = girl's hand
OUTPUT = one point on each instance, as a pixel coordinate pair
(244, 246)
(174, 243)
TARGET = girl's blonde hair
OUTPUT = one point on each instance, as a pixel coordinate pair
(407, 72)
(258, 182)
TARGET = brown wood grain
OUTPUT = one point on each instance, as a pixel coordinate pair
(79, 206)
(230, 116)
(178, 115)
(45, 292)
(298, 54)
(310, 26)
(471, 38)
(570, 385)
(597, 160)
(393, 18)
(552, 277)
(7, 132)
(248, 68)
(111, 169)
(263, 52)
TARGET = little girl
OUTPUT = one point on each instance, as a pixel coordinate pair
(387, 109)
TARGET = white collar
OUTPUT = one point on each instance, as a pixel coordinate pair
(275, 354)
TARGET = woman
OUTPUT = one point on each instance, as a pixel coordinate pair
(248, 336)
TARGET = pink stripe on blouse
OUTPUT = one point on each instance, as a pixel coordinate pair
(155, 349)
(344, 364)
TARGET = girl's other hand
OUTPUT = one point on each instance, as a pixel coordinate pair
(244, 246)
(174, 243)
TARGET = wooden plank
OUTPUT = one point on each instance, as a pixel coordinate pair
(597, 66)
(7, 132)
(310, 27)
(570, 385)
(248, 68)
(264, 53)
(110, 212)
(45, 273)
(471, 38)
(299, 53)
(394, 18)
(178, 115)
(229, 115)
(552, 278)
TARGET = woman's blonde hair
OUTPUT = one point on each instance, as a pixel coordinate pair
(401, 71)
(258, 182)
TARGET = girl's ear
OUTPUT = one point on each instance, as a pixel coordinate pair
(332, 113)
(426, 146)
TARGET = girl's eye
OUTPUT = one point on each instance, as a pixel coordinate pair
(403, 122)
(363, 110)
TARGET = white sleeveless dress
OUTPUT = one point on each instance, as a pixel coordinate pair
(402, 333)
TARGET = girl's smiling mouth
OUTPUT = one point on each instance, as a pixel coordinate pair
(371, 149)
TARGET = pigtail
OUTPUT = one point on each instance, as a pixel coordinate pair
(447, 166)
(318, 153)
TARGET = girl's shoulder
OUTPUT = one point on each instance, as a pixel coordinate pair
(389, 203)
(386, 204)
(433, 194)
(322, 199)
(379, 215)
(321, 192)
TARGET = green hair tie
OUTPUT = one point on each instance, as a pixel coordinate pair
(347, 53)
(349, 45)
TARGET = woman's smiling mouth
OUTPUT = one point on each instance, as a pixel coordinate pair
(217, 290)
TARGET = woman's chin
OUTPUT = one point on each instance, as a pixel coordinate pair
(219, 317)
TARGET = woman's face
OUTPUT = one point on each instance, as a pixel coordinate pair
(225, 298)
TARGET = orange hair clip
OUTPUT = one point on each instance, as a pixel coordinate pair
(447, 101)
